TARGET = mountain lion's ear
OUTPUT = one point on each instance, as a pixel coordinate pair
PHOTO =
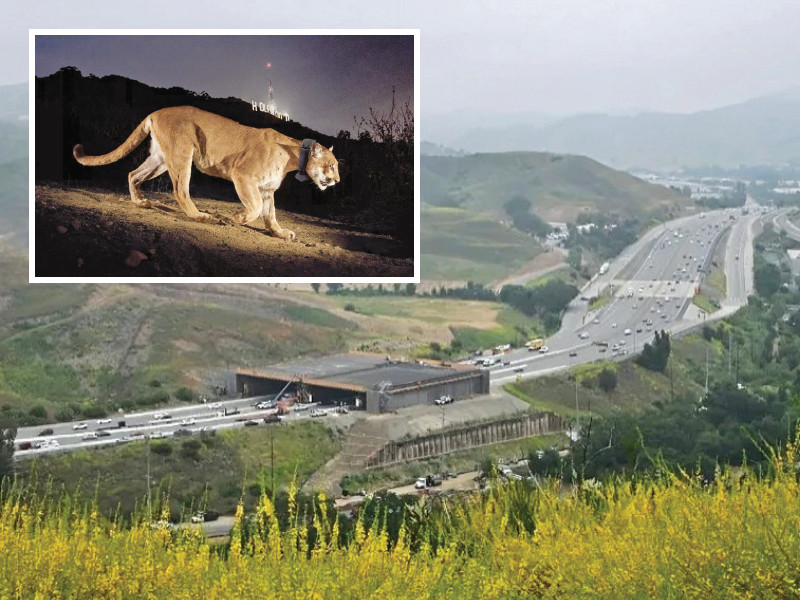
(331, 148)
(316, 150)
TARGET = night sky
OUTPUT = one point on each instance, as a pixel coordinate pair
(322, 81)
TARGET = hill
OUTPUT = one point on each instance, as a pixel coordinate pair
(560, 187)
(762, 131)
(14, 164)
(375, 193)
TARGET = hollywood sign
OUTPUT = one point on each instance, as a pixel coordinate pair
(261, 107)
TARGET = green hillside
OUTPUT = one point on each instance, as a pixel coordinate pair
(559, 186)
(462, 245)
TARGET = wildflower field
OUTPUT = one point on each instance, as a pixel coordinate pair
(666, 537)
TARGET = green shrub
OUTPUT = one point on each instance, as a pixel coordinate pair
(184, 394)
(161, 448)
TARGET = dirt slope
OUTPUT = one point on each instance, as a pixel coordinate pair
(89, 233)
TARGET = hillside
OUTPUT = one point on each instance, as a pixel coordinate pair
(375, 193)
(762, 131)
(560, 187)
(14, 164)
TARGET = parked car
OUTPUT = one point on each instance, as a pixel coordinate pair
(420, 483)
(318, 412)
(250, 423)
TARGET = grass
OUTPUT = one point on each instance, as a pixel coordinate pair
(667, 535)
(705, 303)
(599, 302)
(459, 245)
(636, 388)
(227, 467)
(513, 328)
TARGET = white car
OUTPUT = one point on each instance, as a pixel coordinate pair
(583, 335)
(613, 326)
(265, 405)
(544, 350)
(90, 436)
(421, 483)
(318, 412)
(189, 421)
(103, 421)
(80, 426)
(627, 332)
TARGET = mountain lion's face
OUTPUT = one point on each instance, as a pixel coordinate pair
(322, 167)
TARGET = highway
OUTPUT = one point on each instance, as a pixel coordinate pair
(155, 424)
(648, 287)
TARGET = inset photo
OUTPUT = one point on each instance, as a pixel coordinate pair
(224, 156)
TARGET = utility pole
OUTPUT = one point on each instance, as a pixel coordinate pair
(149, 505)
(272, 461)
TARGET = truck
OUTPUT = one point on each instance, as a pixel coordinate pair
(535, 345)
(604, 268)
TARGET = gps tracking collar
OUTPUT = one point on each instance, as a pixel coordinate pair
(302, 160)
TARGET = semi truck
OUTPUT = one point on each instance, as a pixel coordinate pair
(535, 345)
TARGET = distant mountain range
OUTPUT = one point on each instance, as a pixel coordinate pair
(762, 131)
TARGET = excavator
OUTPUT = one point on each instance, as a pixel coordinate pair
(300, 396)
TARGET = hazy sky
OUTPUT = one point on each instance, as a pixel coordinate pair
(322, 81)
(553, 56)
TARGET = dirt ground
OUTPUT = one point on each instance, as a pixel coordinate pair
(91, 233)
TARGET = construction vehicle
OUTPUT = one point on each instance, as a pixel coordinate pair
(535, 345)
(300, 396)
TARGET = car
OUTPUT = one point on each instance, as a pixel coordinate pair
(274, 418)
(635, 306)
(638, 330)
(420, 483)
(265, 405)
(300, 407)
(627, 332)
(48, 431)
(103, 434)
(544, 350)
(602, 349)
(596, 321)
(573, 353)
(182, 432)
(189, 421)
(157, 435)
(160, 416)
(519, 369)
(252, 423)
(613, 326)
(318, 412)
(79, 426)
(90, 436)
(583, 335)
(203, 516)
(103, 421)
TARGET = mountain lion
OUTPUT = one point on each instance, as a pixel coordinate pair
(255, 160)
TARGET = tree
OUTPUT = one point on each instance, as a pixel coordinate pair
(8, 434)
(315, 287)
(607, 380)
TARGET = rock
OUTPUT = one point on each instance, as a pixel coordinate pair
(134, 258)
(76, 225)
(80, 263)
(61, 229)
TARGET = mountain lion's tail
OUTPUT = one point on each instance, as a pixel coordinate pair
(136, 138)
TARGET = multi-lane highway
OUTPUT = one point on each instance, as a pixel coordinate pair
(180, 420)
(649, 287)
